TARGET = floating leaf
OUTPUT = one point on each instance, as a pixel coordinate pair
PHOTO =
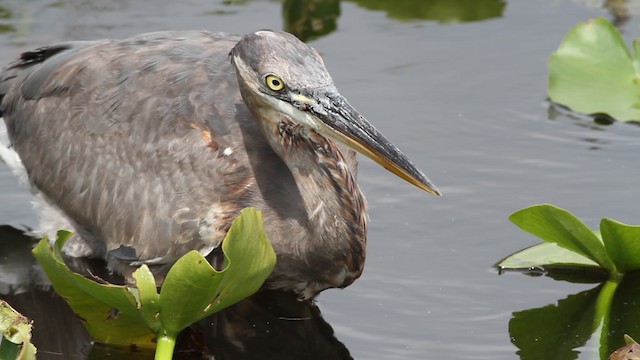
(556, 225)
(544, 254)
(593, 72)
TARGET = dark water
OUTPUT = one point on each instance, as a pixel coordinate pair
(460, 86)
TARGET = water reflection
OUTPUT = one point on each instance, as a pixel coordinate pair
(443, 11)
(310, 19)
(595, 121)
(5, 14)
(272, 325)
(601, 315)
(621, 10)
(269, 325)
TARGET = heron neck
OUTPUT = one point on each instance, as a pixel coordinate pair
(336, 208)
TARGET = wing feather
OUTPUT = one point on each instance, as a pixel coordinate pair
(127, 138)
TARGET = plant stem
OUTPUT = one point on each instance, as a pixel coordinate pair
(164, 348)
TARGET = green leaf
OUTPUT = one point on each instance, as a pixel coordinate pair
(191, 290)
(555, 225)
(110, 312)
(249, 259)
(593, 72)
(622, 243)
(545, 254)
(191, 275)
(15, 334)
(147, 297)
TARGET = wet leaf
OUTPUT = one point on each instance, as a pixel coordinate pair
(15, 335)
(593, 72)
(191, 291)
(545, 254)
(249, 259)
(110, 312)
(147, 297)
(622, 243)
(555, 225)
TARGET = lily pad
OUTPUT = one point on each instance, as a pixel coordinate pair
(594, 72)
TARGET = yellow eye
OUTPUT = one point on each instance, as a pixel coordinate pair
(274, 83)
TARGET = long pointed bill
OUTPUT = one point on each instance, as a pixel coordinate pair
(340, 121)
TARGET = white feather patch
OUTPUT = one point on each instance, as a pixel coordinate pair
(10, 156)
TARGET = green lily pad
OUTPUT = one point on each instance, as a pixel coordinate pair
(593, 72)
(15, 335)
(191, 291)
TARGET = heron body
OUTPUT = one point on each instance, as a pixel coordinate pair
(149, 147)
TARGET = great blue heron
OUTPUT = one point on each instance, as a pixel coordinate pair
(149, 147)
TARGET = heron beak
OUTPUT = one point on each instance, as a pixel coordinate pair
(338, 120)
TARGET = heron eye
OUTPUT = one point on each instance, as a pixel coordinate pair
(274, 83)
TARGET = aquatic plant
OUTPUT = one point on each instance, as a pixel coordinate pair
(192, 290)
(15, 335)
(574, 252)
(594, 72)
(570, 243)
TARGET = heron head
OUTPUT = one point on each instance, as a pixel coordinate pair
(280, 74)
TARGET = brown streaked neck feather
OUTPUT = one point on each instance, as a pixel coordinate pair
(335, 206)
